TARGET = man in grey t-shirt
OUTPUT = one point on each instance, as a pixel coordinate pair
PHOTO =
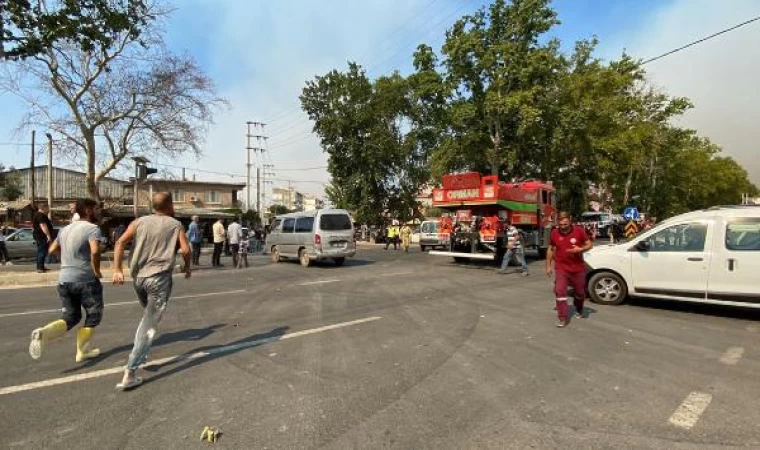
(78, 283)
(156, 238)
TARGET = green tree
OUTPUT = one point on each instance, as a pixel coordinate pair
(377, 160)
(277, 210)
(9, 187)
(29, 28)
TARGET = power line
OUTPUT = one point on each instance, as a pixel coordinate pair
(707, 38)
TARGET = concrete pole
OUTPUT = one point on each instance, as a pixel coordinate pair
(32, 181)
(50, 175)
(258, 193)
(135, 190)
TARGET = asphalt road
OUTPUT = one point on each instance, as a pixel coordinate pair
(389, 351)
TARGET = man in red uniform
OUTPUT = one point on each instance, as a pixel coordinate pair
(567, 244)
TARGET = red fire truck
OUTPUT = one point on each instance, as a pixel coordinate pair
(478, 207)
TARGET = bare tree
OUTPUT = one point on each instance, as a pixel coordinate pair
(123, 97)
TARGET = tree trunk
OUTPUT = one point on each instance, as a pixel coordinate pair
(90, 183)
(626, 194)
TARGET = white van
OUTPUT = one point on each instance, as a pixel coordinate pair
(312, 236)
(707, 256)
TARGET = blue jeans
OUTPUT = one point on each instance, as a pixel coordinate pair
(518, 254)
(42, 252)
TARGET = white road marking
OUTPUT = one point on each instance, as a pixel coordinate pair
(687, 415)
(396, 273)
(309, 283)
(178, 358)
(48, 311)
(732, 355)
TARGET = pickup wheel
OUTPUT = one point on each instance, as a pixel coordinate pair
(303, 256)
(275, 255)
(607, 288)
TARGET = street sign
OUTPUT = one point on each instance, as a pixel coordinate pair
(631, 213)
(631, 228)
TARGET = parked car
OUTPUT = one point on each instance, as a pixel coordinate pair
(708, 256)
(429, 236)
(21, 244)
(312, 236)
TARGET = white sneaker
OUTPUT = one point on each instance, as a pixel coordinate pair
(37, 344)
(8, 263)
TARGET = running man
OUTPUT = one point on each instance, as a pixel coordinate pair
(567, 244)
(78, 283)
(151, 263)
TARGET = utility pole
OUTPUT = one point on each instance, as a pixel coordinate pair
(267, 173)
(50, 174)
(255, 131)
(32, 182)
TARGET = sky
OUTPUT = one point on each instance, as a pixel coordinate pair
(260, 55)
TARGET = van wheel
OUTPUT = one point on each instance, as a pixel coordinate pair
(303, 256)
(607, 288)
(275, 255)
(339, 261)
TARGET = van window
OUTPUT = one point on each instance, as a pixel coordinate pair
(334, 222)
(743, 235)
(287, 225)
(276, 224)
(687, 237)
(304, 225)
(430, 227)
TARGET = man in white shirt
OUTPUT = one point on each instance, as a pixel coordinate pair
(234, 234)
(219, 238)
(73, 211)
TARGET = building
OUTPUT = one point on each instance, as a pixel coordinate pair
(288, 197)
(206, 199)
(312, 202)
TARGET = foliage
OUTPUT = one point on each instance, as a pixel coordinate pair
(9, 187)
(377, 159)
(504, 98)
(30, 28)
(277, 210)
(115, 98)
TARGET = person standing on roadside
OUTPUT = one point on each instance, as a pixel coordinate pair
(195, 236)
(514, 249)
(219, 238)
(78, 283)
(42, 231)
(156, 238)
(234, 233)
(3, 248)
(73, 210)
(243, 251)
(406, 237)
(567, 243)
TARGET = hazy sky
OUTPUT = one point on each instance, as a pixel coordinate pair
(261, 53)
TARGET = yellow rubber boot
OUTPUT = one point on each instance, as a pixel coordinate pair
(42, 336)
(84, 335)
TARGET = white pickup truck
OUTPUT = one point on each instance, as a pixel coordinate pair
(707, 256)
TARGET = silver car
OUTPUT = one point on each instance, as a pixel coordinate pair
(21, 244)
(312, 236)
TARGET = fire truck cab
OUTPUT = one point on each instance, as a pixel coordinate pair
(478, 208)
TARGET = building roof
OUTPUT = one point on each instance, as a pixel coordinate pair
(38, 168)
(191, 182)
(204, 213)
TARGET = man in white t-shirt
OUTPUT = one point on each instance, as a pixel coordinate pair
(219, 238)
(514, 249)
(234, 233)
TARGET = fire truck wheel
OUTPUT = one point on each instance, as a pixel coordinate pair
(542, 253)
(607, 288)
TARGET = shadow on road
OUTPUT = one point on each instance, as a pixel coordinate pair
(729, 312)
(189, 335)
(186, 360)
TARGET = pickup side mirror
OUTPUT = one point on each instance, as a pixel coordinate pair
(641, 246)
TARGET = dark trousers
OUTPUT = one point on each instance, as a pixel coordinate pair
(235, 248)
(196, 253)
(216, 259)
(76, 296)
(4, 252)
(42, 252)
